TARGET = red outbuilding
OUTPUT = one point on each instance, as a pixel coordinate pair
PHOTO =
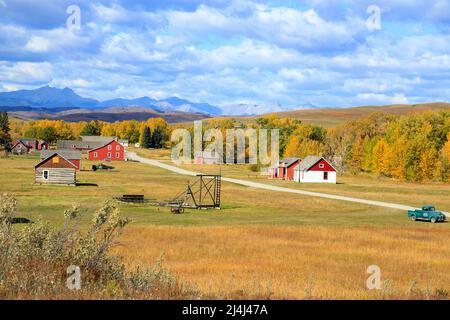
(111, 151)
(284, 169)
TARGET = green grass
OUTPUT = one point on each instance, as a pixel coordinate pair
(240, 205)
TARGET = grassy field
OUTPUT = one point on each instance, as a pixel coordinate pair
(262, 244)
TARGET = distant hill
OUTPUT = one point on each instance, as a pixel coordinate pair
(330, 117)
(108, 114)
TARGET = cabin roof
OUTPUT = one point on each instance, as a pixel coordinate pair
(67, 154)
(52, 155)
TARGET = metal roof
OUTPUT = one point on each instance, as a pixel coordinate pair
(70, 144)
(289, 161)
(307, 163)
(101, 139)
(67, 154)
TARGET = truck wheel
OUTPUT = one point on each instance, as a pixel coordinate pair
(433, 220)
(413, 218)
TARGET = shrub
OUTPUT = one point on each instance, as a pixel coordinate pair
(34, 260)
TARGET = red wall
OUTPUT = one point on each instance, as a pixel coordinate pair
(76, 162)
(290, 170)
(280, 173)
(326, 166)
(102, 153)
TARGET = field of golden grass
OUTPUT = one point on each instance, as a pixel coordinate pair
(299, 262)
(261, 244)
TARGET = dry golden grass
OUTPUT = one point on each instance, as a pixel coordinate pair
(298, 262)
(262, 244)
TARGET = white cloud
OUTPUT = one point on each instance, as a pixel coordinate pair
(377, 98)
(37, 44)
(26, 72)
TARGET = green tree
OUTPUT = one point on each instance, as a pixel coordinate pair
(92, 128)
(146, 139)
(5, 137)
(157, 140)
(48, 134)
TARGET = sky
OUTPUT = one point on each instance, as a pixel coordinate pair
(289, 53)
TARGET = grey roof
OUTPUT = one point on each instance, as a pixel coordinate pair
(67, 154)
(289, 161)
(101, 139)
(70, 144)
(307, 163)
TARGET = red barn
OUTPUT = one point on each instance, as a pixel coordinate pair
(111, 151)
(73, 156)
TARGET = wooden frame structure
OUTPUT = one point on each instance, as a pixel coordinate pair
(204, 193)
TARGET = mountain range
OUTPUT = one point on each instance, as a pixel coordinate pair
(46, 98)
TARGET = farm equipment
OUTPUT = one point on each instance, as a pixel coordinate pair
(204, 193)
(101, 166)
(132, 198)
(427, 213)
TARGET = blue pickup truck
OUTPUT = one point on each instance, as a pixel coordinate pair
(427, 213)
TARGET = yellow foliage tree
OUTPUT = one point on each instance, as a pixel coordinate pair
(447, 147)
(381, 151)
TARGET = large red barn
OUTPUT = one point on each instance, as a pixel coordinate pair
(111, 151)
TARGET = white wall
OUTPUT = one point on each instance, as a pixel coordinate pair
(314, 177)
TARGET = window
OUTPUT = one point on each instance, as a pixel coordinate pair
(325, 176)
(55, 159)
(95, 154)
(45, 174)
(109, 147)
(117, 148)
(321, 166)
(109, 155)
(117, 154)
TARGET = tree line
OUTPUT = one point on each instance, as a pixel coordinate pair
(412, 147)
(131, 130)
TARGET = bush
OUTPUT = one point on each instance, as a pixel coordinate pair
(34, 260)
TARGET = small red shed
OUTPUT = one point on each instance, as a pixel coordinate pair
(111, 151)
(285, 169)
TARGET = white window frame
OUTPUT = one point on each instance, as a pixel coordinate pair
(117, 154)
(117, 148)
(110, 147)
(43, 174)
(95, 155)
(109, 155)
(321, 166)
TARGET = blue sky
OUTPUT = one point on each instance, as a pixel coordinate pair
(229, 52)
